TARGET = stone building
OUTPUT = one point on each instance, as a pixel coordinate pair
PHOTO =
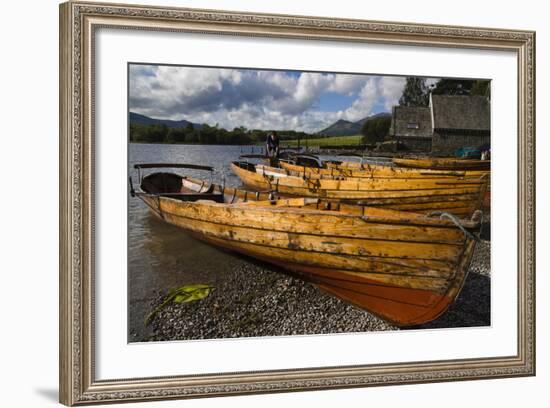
(459, 121)
(447, 124)
(411, 127)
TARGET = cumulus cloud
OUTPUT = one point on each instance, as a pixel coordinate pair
(347, 84)
(391, 89)
(365, 102)
(375, 92)
(256, 99)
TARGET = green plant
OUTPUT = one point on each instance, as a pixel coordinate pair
(187, 293)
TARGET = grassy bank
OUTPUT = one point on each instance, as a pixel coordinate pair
(325, 141)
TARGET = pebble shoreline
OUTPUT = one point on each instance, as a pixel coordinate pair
(258, 301)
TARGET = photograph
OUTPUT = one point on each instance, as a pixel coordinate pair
(253, 201)
(269, 202)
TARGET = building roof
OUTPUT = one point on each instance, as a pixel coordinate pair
(411, 121)
(461, 112)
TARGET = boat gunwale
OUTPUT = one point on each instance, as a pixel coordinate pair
(370, 170)
(436, 181)
(373, 172)
(419, 220)
(319, 233)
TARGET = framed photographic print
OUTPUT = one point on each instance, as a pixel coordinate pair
(259, 203)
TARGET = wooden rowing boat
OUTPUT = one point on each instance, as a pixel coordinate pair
(368, 170)
(443, 163)
(433, 163)
(460, 197)
(376, 170)
(406, 268)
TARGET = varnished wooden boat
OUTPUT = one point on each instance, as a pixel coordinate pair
(406, 268)
(460, 197)
(368, 170)
(374, 171)
(443, 163)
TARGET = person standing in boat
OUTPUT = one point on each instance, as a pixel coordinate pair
(272, 145)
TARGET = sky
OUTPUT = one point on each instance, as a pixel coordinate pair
(259, 99)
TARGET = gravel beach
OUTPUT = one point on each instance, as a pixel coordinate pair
(256, 300)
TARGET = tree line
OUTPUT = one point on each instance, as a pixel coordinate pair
(375, 130)
(205, 134)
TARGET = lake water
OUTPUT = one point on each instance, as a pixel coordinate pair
(161, 256)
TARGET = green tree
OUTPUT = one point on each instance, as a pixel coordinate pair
(239, 135)
(375, 130)
(383, 127)
(154, 133)
(189, 128)
(207, 134)
(258, 136)
(447, 86)
(243, 139)
(223, 137)
(416, 92)
(176, 135)
(136, 133)
(192, 137)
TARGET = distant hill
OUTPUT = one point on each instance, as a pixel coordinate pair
(360, 122)
(341, 128)
(346, 128)
(137, 119)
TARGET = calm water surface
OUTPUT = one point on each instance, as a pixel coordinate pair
(161, 256)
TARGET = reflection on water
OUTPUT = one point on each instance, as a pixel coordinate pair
(161, 256)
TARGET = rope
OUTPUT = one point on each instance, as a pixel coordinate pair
(455, 221)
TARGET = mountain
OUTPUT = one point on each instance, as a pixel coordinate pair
(361, 122)
(346, 128)
(341, 128)
(137, 119)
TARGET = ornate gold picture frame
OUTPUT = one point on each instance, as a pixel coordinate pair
(78, 24)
